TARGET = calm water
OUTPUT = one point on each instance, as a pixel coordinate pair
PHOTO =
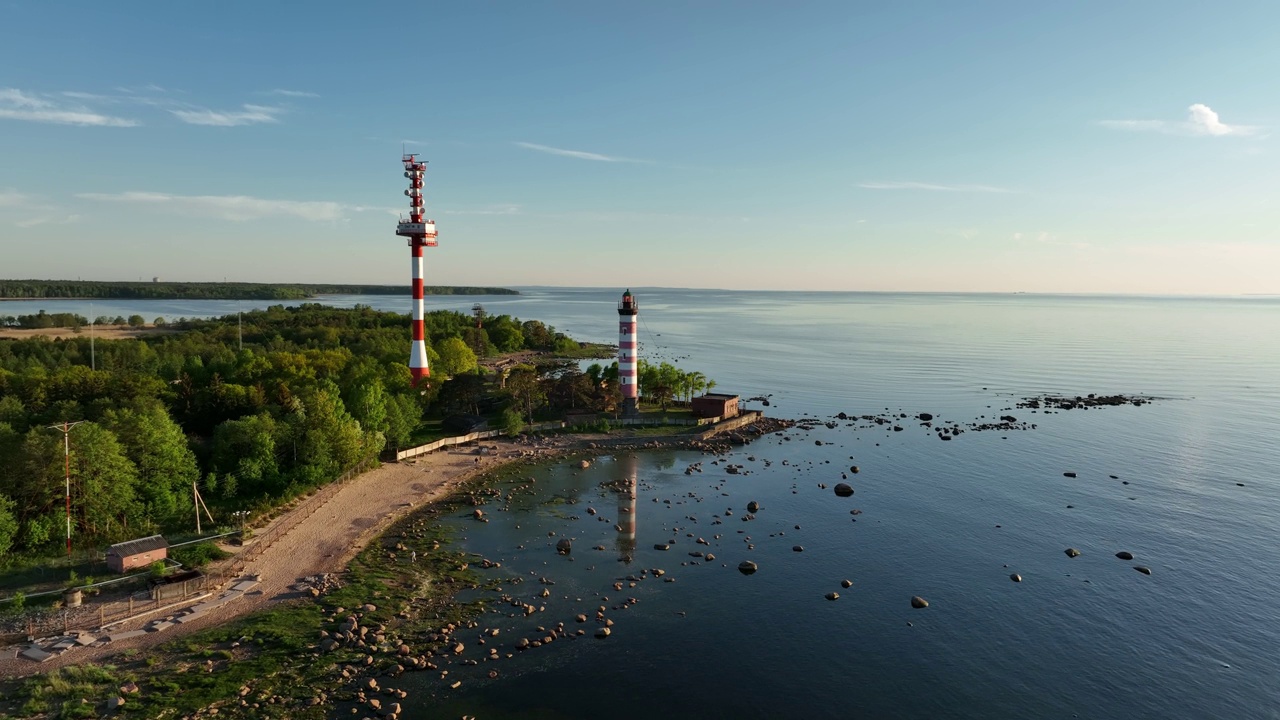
(1086, 637)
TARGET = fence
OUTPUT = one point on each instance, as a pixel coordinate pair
(464, 439)
(163, 597)
(298, 513)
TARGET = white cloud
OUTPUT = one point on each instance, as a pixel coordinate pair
(250, 115)
(1047, 238)
(492, 210)
(18, 105)
(292, 93)
(13, 198)
(237, 208)
(1201, 120)
(580, 154)
(891, 185)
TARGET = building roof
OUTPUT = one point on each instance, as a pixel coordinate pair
(719, 396)
(141, 545)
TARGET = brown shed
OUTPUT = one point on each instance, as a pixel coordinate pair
(126, 556)
(715, 405)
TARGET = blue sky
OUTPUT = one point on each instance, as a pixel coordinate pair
(1069, 147)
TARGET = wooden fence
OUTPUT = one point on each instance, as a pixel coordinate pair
(472, 437)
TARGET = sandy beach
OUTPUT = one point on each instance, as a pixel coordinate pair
(324, 541)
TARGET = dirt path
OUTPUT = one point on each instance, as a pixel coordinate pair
(323, 542)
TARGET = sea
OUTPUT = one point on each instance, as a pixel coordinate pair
(1187, 483)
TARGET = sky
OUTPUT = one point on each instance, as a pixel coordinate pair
(1085, 147)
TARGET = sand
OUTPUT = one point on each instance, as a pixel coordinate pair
(322, 542)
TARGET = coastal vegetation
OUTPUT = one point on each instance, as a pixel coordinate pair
(257, 410)
(253, 414)
(164, 290)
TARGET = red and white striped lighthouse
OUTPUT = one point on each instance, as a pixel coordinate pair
(627, 360)
(421, 233)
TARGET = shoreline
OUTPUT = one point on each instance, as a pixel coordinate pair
(365, 510)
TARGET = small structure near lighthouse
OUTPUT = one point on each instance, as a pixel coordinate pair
(628, 371)
(721, 405)
(421, 234)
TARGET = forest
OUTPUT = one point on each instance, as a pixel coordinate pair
(164, 290)
(259, 413)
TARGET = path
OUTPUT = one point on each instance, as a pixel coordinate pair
(323, 542)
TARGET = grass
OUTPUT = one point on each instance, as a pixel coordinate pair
(274, 653)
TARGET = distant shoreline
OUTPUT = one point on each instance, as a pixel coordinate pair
(86, 290)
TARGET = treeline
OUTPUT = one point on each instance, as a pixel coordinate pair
(313, 391)
(160, 290)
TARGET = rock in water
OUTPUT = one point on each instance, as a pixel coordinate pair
(853, 469)
(603, 632)
(1072, 552)
(797, 548)
(926, 417)
(746, 567)
(565, 546)
(1015, 577)
(846, 583)
(843, 489)
(833, 596)
(1142, 569)
(1124, 555)
(918, 602)
(753, 507)
(1068, 474)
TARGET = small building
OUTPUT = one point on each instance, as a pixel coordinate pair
(126, 556)
(715, 405)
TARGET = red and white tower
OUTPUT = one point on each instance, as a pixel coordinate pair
(627, 360)
(421, 234)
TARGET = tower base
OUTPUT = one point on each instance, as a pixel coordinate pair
(630, 407)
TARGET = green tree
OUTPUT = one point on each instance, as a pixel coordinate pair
(8, 524)
(158, 448)
(246, 449)
(505, 333)
(455, 357)
(136, 321)
(512, 422)
(525, 389)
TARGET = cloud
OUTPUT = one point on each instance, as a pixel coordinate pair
(1047, 238)
(12, 198)
(932, 186)
(250, 115)
(493, 210)
(581, 155)
(237, 208)
(291, 93)
(1201, 120)
(18, 105)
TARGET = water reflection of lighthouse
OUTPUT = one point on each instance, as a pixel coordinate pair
(625, 487)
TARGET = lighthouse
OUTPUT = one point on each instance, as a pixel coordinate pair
(627, 360)
(421, 234)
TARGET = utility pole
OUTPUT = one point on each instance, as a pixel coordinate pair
(65, 428)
